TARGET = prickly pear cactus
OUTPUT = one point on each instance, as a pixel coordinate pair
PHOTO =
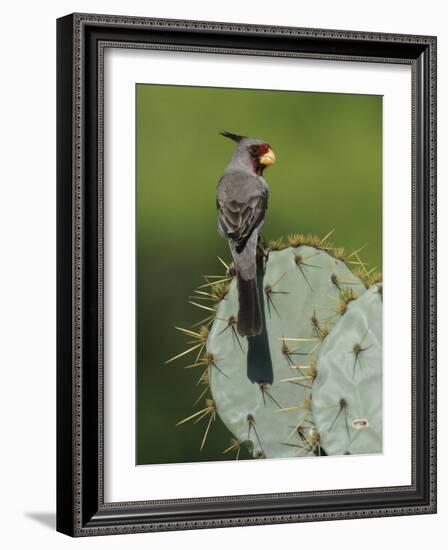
(262, 386)
(347, 403)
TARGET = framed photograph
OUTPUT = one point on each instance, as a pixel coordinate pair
(231, 201)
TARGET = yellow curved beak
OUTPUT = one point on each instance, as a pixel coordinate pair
(268, 158)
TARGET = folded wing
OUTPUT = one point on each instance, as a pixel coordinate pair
(242, 202)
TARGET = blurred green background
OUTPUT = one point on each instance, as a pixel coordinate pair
(328, 175)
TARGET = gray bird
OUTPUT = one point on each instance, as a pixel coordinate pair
(242, 200)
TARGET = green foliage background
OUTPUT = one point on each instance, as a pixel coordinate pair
(328, 175)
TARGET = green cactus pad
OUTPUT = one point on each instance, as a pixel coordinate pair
(347, 392)
(261, 386)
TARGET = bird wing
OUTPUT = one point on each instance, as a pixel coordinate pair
(242, 200)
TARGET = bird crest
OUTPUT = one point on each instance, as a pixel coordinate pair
(234, 137)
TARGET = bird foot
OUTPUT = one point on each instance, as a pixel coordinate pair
(262, 256)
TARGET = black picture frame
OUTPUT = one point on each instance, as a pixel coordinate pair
(81, 509)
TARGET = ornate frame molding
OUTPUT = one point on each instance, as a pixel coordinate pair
(81, 42)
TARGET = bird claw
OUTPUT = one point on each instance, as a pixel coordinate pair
(262, 255)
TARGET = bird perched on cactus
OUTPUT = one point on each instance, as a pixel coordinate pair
(242, 200)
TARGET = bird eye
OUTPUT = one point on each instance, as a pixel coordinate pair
(253, 149)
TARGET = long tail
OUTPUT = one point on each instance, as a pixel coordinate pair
(250, 322)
